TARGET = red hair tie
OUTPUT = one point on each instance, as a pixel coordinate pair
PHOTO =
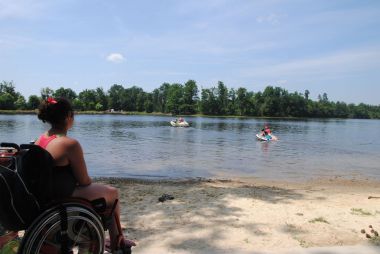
(51, 100)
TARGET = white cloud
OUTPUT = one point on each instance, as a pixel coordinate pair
(115, 58)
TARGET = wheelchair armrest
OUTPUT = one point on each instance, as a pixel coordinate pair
(27, 146)
(5, 144)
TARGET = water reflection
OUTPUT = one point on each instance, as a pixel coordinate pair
(5, 125)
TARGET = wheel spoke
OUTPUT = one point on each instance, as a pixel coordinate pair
(86, 233)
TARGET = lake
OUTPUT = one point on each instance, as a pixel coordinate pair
(148, 147)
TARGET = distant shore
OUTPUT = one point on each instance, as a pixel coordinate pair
(245, 215)
(33, 112)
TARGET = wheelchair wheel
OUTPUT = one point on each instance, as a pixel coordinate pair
(85, 232)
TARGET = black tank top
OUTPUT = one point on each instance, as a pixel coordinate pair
(64, 181)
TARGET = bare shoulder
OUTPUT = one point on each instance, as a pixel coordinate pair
(68, 142)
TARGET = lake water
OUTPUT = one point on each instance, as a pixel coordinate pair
(148, 147)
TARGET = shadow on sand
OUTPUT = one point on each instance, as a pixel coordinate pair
(199, 211)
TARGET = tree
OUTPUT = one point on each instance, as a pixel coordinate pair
(174, 98)
(101, 98)
(231, 107)
(241, 100)
(46, 93)
(98, 106)
(163, 97)
(7, 87)
(33, 102)
(341, 110)
(115, 95)
(20, 103)
(8, 95)
(65, 93)
(88, 99)
(324, 97)
(307, 93)
(273, 100)
(133, 99)
(222, 98)
(6, 101)
(190, 97)
(140, 101)
(156, 101)
(149, 103)
(183, 99)
(209, 101)
(77, 104)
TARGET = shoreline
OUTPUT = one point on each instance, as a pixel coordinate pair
(136, 113)
(246, 214)
(248, 179)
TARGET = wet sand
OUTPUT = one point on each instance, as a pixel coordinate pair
(248, 215)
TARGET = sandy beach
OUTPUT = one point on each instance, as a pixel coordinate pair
(248, 215)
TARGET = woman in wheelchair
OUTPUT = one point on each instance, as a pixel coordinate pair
(70, 176)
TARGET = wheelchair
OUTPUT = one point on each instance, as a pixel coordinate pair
(68, 226)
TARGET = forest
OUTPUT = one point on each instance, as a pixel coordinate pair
(187, 99)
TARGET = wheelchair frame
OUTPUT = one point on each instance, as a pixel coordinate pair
(72, 225)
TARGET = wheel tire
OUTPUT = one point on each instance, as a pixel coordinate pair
(85, 232)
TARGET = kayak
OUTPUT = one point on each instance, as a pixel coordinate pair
(179, 124)
(261, 137)
(266, 138)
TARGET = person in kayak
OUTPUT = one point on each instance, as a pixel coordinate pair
(266, 132)
(70, 174)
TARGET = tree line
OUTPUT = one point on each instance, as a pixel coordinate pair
(186, 99)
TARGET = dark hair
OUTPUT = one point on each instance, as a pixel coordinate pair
(55, 111)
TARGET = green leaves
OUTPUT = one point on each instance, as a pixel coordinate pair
(184, 99)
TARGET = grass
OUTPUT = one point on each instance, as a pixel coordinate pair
(302, 242)
(319, 219)
(360, 211)
(375, 241)
(293, 229)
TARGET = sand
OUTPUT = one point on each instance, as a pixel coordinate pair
(248, 215)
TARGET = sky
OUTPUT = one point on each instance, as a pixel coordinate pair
(324, 46)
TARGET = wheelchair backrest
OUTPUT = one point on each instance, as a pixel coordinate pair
(25, 186)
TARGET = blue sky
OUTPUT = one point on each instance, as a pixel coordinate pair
(323, 46)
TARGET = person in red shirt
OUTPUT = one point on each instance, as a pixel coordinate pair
(267, 130)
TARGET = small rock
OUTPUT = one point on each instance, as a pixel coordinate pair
(165, 197)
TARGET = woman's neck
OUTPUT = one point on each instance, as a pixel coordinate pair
(56, 131)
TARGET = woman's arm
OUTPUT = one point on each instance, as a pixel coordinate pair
(76, 159)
